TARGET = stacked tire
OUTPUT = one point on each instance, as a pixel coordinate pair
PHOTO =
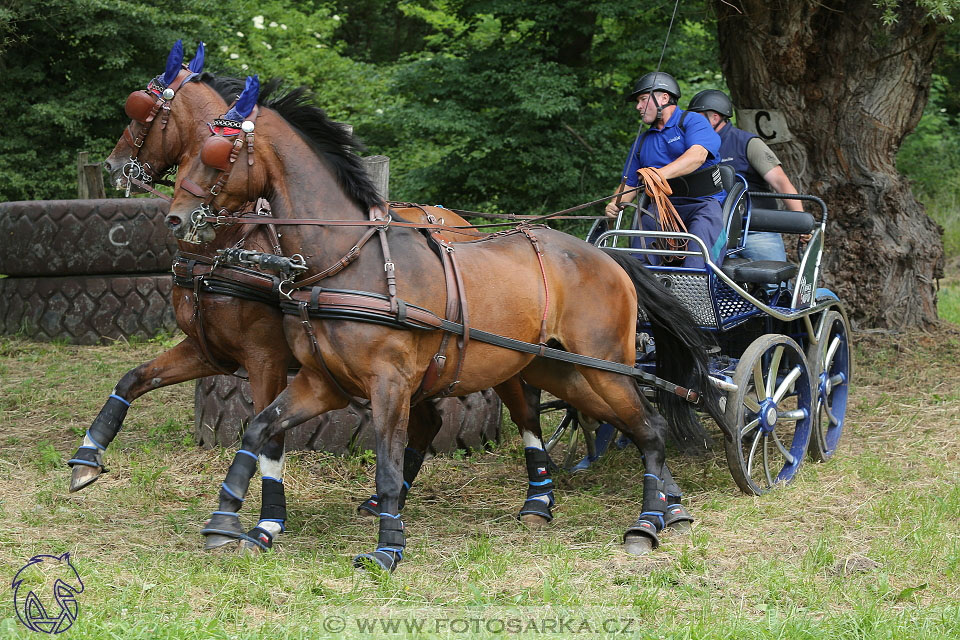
(85, 271)
(224, 406)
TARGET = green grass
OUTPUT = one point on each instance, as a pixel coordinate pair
(864, 546)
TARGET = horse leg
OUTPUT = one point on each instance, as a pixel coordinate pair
(266, 383)
(307, 396)
(521, 400)
(425, 424)
(182, 362)
(616, 399)
(391, 414)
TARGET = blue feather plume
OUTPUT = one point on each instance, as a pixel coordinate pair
(246, 101)
(174, 60)
(196, 65)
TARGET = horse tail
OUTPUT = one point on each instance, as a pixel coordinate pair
(681, 348)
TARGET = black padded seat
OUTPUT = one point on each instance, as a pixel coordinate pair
(760, 271)
(730, 264)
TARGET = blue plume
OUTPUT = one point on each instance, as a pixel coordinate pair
(174, 60)
(196, 65)
(246, 101)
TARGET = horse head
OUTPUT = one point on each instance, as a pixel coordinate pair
(156, 136)
(227, 175)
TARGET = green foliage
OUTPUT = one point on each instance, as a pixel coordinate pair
(518, 106)
(66, 67)
(930, 158)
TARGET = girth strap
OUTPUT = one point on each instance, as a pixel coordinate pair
(201, 333)
(315, 348)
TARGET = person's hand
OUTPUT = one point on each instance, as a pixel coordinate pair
(612, 209)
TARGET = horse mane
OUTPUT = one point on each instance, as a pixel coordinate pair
(330, 140)
(227, 87)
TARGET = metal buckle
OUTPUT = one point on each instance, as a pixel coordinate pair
(388, 266)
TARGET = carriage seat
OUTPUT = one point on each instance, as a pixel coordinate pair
(758, 271)
(769, 271)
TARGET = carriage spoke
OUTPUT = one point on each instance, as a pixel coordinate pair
(753, 451)
(758, 387)
(787, 384)
(774, 369)
(751, 404)
(837, 380)
(786, 454)
(766, 464)
(747, 428)
(831, 351)
(793, 414)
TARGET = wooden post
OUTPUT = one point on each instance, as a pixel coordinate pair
(89, 178)
(378, 168)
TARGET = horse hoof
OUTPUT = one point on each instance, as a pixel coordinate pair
(83, 476)
(218, 543)
(637, 545)
(376, 561)
(249, 548)
(533, 521)
(680, 527)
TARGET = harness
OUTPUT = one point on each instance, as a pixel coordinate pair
(308, 300)
(142, 107)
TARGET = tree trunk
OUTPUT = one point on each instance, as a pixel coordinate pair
(850, 90)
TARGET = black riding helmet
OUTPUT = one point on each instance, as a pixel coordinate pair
(655, 81)
(711, 100)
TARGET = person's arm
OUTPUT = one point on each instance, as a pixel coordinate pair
(780, 183)
(612, 209)
(688, 162)
(765, 162)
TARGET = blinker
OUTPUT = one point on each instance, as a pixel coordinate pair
(139, 105)
(215, 152)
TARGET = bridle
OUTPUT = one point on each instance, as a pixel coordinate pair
(219, 153)
(142, 107)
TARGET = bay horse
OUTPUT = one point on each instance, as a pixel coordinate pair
(540, 291)
(223, 333)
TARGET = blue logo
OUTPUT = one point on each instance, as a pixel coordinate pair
(42, 577)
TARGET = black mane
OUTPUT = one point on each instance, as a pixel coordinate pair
(330, 140)
(227, 87)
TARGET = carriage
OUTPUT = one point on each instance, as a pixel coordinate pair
(776, 331)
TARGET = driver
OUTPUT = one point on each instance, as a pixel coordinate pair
(752, 158)
(679, 144)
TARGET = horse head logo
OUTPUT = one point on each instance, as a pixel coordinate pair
(42, 577)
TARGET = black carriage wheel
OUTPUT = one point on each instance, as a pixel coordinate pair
(771, 426)
(832, 366)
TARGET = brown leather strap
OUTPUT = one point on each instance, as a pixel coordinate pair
(389, 268)
(317, 355)
(340, 265)
(201, 334)
(546, 289)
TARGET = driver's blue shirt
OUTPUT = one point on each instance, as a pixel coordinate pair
(660, 147)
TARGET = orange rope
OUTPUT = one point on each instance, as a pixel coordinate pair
(659, 191)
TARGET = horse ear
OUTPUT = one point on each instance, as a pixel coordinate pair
(248, 98)
(174, 60)
(196, 65)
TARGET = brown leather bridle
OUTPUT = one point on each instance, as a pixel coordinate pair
(142, 107)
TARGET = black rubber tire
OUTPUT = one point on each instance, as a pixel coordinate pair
(84, 237)
(223, 406)
(87, 309)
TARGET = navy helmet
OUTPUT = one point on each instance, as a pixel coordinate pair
(711, 100)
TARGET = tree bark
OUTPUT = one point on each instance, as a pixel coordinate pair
(850, 89)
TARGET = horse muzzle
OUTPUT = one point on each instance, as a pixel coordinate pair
(195, 230)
